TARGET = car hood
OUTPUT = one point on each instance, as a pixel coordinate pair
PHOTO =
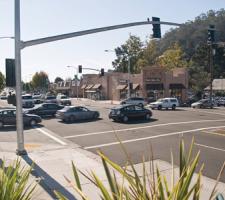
(196, 103)
(155, 103)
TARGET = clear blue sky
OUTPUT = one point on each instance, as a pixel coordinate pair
(42, 18)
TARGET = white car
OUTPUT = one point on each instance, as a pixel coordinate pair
(63, 100)
(135, 101)
(27, 101)
(165, 103)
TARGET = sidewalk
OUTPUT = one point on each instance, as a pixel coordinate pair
(53, 162)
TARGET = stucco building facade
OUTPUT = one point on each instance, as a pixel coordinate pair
(153, 82)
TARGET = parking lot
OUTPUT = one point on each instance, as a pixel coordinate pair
(162, 133)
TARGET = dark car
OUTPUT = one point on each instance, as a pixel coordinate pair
(45, 109)
(50, 99)
(127, 112)
(8, 117)
(203, 103)
(73, 113)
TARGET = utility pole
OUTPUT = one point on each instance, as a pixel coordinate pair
(19, 115)
(129, 77)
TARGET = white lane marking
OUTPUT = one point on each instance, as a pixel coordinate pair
(214, 133)
(141, 127)
(215, 113)
(209, 147)
(51, 136)
(152, 137)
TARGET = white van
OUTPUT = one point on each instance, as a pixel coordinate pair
(165, 103)
(27, 101)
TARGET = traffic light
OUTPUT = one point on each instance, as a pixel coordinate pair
(10, 72)
(102, 72)
(211, 34)
(156, 27)
(80, 68)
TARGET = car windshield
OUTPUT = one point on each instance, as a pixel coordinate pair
(203, 100)
(26, 97)
(64, 97)
(50, 97)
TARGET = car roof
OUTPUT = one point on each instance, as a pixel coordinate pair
(7, 109)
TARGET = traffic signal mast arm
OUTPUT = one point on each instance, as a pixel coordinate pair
(24, 44)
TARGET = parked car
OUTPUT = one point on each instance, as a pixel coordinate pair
(63, 100)
(27, 101)
(74, 113)
(203, 103)
(221, 101)
(45, 109)
(126, 112)
(50, 99)
(8, 117)
(37, 99)
(134, 101)
(165, 103)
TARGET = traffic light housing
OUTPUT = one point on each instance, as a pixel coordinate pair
(102, 72)
(80, 68)
(211, 34)
(156, 27)
(10, 72)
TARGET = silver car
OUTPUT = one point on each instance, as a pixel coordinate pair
(74, 113)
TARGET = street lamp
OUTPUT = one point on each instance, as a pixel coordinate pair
(76, 77)
(128, 81)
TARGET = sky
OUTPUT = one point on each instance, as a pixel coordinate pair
(44, 18)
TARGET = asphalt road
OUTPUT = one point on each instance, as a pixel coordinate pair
(162, 134)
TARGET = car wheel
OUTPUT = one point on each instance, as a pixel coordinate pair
(159, 107)
(1, 124)
(173, 107)
(96, 116)
(71, 118)
(125, 118)
(147, 116)
(33, 122)
(201, 106)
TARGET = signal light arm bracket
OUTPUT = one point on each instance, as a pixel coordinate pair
(90, 31)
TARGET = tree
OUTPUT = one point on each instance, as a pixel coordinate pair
(27, 87)
(58, 79)
(40, 81)
(150, 53)
(133, 49)
(172, 58)
(2, 81)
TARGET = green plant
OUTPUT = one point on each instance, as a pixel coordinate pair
(14, 182)
(150, 186)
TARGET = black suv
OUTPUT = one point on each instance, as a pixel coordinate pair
(126, 112)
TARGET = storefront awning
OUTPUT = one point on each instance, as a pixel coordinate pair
(135, 86)
(96, 86)
(89, 87)
(83, 86)
(121, 87)
(176, 86)
(157, 86)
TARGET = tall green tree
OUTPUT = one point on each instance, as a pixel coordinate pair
(2, 81)
(150, 54)
(133, 50)
(40, 80)
(58, 79)
(172, 58)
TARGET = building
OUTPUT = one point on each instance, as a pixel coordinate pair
(218, 85)
(153, 82)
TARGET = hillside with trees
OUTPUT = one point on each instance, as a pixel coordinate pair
(185, 46)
